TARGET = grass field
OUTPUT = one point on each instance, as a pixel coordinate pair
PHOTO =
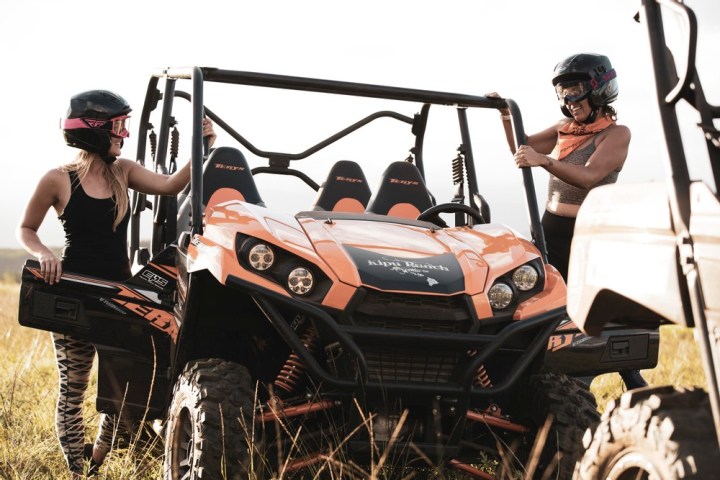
(28, 389)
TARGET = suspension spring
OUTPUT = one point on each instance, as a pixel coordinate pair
(174, 147)
(293, 371)
(458, 170)
(482, 378)
(153, 143)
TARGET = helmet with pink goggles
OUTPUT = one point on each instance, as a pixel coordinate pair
(94, 117)
(585, 75)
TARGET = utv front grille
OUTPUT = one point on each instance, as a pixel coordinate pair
(427, 313)
(392, 365)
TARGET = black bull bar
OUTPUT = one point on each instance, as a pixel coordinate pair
(346, 335)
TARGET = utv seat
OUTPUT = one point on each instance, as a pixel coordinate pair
(401, 193)
(226, 167)
(345, 189)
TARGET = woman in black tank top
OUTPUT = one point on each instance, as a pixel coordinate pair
(92, 246)
(580, 152)
(90, 196)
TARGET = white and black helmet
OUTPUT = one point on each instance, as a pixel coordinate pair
(592, 74)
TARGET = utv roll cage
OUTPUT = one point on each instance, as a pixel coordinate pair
(164, 223)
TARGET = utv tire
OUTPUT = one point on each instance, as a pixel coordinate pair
(573, 410)
(653, 433)
(209, 427)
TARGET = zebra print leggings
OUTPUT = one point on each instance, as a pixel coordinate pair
(74, 361)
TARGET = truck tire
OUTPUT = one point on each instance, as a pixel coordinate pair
(209, 423)
(653, 433)
(573, 410)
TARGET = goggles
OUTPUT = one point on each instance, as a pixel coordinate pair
(118, 126)
(572, 91)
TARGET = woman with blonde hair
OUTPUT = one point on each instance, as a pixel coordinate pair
(90, 197)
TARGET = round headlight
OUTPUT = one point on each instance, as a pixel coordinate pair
(300, 281)
(261, 257)
(500, 295)
(525, 278)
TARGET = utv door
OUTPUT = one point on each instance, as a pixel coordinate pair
(130, 323)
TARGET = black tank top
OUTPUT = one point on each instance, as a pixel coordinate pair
(91, 246)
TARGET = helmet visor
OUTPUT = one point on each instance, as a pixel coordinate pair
(572, 91)
(118, 126)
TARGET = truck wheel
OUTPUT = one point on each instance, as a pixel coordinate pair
(206, 436)
(653, 433)
(573, 410)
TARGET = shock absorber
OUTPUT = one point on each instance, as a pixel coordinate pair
(293, 371)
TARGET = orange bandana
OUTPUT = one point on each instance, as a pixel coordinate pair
(574, 134)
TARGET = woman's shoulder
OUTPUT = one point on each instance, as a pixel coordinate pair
(54, 182)
(57, 174)
(127, 164)
(619, 131)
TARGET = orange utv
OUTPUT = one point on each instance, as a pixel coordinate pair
(373, 331)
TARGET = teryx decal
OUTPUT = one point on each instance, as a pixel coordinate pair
(436, 274)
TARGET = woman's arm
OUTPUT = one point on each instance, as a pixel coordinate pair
(146, 181)
(543, 141)
(610, 153)
(46, 195)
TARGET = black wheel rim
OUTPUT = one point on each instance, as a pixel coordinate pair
(182, 447)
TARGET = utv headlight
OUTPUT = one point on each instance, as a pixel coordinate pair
(500, 295)
(261, 257)
(300, 281)
(525, 278)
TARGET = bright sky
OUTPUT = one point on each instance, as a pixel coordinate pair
(52, 50)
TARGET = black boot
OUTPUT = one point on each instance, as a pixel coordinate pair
(87, 455)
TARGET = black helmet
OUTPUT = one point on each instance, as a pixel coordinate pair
(593, 73)
(93, 117)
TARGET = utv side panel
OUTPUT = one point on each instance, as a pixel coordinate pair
(130, 323)
(572, 352)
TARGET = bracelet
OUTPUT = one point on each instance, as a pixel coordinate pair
(506, 117)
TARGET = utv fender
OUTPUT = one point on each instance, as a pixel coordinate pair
(615, 228)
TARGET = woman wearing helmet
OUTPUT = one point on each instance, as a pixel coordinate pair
(580, 152)
(90, 197)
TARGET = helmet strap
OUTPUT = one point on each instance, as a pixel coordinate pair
(108, 159)
(592, 117)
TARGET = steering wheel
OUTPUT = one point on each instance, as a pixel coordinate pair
(431, 212)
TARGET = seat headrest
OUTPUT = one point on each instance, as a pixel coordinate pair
(401, 193)
(226, 167)
(345, 189)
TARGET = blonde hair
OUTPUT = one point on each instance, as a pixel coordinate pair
(112, 173)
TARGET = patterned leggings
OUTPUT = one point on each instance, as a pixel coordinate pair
(74, 360)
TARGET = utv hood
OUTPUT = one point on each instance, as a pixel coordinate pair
(392, 256)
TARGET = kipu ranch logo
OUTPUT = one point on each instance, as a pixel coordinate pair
(397, 263)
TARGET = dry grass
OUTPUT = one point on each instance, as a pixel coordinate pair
(28, 382)
(29, 449)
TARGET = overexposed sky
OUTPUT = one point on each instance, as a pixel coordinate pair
(53, 49)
